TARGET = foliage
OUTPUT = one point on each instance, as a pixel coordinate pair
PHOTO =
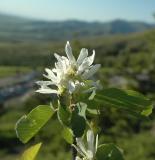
(73, 115)
(109, 152)
(125, 57)
(29, 125)
(129, 100)
(31, 152)
(139, 146)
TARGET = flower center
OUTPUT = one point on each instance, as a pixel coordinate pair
(71, 71)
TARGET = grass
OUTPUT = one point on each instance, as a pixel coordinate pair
(6, 71)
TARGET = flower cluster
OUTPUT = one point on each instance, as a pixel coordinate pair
(87, 153)
(69, 74)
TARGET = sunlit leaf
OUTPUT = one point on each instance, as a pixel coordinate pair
(31, 153)
(28, 125)
(68, 135)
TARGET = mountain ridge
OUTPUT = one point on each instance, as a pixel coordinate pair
(14, 28)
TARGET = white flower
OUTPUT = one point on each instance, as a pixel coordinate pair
(89, 152)
(69, 74)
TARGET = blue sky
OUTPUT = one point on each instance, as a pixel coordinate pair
(89, 10)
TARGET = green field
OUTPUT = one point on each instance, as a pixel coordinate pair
(7, 71)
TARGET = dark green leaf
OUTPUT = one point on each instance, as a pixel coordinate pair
(28, 125)
(64, 115)
(131, 101)
(78, 123)
(109, 152)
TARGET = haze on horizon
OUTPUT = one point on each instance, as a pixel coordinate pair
(87, 10)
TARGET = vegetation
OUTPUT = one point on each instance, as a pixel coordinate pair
(127, 62)
(6, 71)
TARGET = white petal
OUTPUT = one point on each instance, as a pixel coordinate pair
(87, 74)
(66, 60)
(49, 71)
(50, 75)
(90, 59)
(61, 64)
(86, 63)
(90, 140)
(44, 83)
(90, 155)
(65, 67)
(78, 158)
(81, 145)
(82, 56)
(58, 70)
(71, 87)
(57, 56)
(47, 91)
(54, 70)
(70, 56)
(96, 144)
(82, 68)
(92, 56)
(78, 150)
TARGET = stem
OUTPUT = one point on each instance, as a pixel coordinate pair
(74, 152)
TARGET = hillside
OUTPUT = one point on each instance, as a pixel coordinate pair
(128, 61)
(13, 28)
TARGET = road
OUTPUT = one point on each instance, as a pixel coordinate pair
(15, 86)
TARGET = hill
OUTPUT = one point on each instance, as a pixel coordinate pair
(13, 28)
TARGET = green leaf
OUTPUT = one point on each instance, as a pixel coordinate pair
(131, 101)
(68, 135)
(78, 123)
(28, 125)
(31, 153)
(64, 115)
(109, 152)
